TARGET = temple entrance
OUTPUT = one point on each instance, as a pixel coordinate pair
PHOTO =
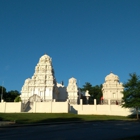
(35, 98)
(28, 107)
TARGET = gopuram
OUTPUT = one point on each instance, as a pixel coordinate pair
(42, 87)
(112, 89)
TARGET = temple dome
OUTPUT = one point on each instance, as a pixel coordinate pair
(111, 77)
(45, 58)
(72, 80)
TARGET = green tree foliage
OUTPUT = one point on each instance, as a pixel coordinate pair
(131, 93)
(88, 87)
(97, 92)
(94, 91)
(17, 99)
(8, 96)
(11, 95)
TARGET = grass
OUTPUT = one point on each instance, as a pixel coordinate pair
(26, 118)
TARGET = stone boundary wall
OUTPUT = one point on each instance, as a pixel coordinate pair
(35, 107)
(95, 109)
(50, 107)
(65, 107)
(10, 107)
(100, 110)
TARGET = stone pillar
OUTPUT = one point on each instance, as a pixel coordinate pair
(81, 101)
(95, 102)
(81, 104)
(109, 103)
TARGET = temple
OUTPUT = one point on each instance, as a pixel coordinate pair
(112, 89)
(42, 94)
(43, 86)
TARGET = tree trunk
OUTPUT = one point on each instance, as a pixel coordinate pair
(137, 112)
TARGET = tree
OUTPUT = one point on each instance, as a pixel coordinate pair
(8, 96)
(17, 99)
(97, 92)
(131, 98)
(11, 95)
(88, 87)
(94, 91)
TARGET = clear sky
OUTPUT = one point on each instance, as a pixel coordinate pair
(87, 39)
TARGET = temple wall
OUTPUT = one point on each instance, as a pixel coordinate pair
(100, 109)
(10, 107)
(2, 107)
(42, 107)
(59, 107)
(104, 110)
(50, 107)
(65, 107)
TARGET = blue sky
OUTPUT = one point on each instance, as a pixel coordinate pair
(87, 39)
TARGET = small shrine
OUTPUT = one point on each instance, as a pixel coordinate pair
(112, 89)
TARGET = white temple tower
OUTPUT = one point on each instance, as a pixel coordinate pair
(112, 89)
(72, 90)
(42, 83)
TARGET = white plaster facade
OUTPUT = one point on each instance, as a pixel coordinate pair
(42, 93)
(112, 89)
(65, 107)
(42, 83)
(42, 87)
(72, 90)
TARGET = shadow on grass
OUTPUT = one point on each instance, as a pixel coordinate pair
(1, 119)
(133, 116)
(64, 120)
(49, 120)
(30, 118)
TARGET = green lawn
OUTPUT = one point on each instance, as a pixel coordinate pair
(54, 117)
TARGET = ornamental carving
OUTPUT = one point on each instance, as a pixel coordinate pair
(112, 88)
(42, 78)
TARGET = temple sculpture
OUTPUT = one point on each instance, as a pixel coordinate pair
(112, 89)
